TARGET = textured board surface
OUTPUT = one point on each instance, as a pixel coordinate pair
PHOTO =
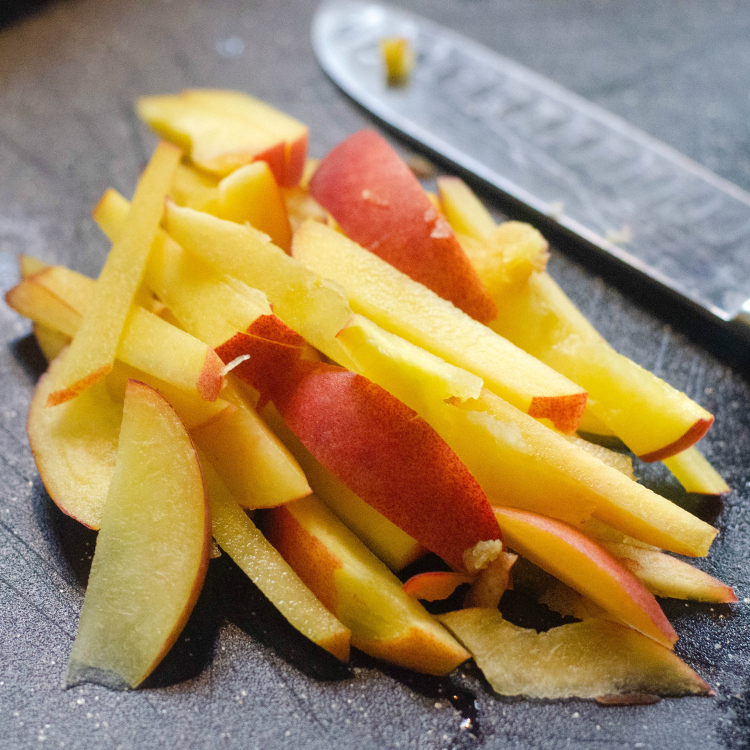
(239, 677)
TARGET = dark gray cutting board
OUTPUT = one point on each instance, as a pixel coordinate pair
(239, 677)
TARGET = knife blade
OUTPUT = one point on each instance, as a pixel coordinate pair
(621, 191)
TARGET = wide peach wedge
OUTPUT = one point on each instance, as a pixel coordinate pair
(152, 549)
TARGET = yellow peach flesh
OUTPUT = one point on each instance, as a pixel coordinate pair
(151, 552)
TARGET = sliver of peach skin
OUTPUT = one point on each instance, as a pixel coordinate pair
(692, 436)
(434, 585)
(565, 412)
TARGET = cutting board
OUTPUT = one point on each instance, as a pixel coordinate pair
(239, 677)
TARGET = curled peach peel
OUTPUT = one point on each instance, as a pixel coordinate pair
(586, 659)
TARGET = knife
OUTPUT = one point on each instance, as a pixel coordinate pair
(611, 185)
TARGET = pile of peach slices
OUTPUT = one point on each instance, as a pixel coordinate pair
(266, 327)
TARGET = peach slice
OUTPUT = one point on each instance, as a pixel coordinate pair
(651, 417)
(148, 342)
(359, 589)
(50, 341)
(379, 204)
(194, 188)
(594, 425)
(201, 300)
(504, 255)
(300, 205)
(216, 143)
(664, 575)
(394, 547)
(583, 565)
(28, 265)
(272, 350)
(619, 501)
(435, 585)
(75, 446)
(250, 194)
(34, 301)
(256, 113)
(398, 58)
(463, 210)
(404, 307)
(310, 305)
(517, 461)
(603, 532)
(375, 445)
(94, 347)
(492, 582)
(390, 457)
(508, 257)
(254, 464)
(151, 552)
(238, 536)
(620, 461)
(693, 471)
(414, 374)
(159, 348)
(582, 660)
(191, 409)
(73, 288)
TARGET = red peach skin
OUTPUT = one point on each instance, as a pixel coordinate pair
(379, 204)
(369, 440)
